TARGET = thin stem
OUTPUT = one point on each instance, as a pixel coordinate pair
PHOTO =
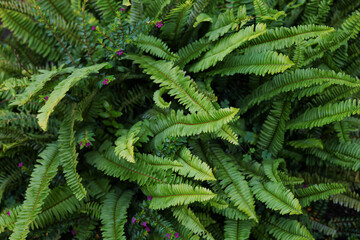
(105, 47)
(87, 45)
(17, 59)
(62, 44)
(107, 37)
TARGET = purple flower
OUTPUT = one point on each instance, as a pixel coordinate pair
(147, 229)
(21, 164)
(144, 224)
(159, 24)
(87, 144)
(149, 198)
(105, 82)
(121, 9)
(8, 213)
(46, 98)
(80, 144)
(176, 235)
(168, 235)
(93, 28)
(304, 186)
(119, 52)
(133, 220)
(73, 232)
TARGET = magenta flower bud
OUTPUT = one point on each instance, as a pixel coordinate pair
(93, 28)
(73, 232)
(20, 164)
(87, 144)
(121, 9)
(133, 220)
(149, 198)
(46, 98)
(147, 229)
(80, 144)
(8, 213)
(304, 186)
(176, 235)
(168, 235)
(144, 224)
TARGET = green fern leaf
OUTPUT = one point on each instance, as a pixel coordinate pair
(224, 22)
(125, 144)
(37, 191)
(165, 195)
(270, 168)
(318, 191)
(159, 101)
(155, 46)
(306, 143)
(192, 51)
(237, 229)
(226, 46)
(113, 214)
(256, 63)
(276, 197)
(60, 90)
(108, 9)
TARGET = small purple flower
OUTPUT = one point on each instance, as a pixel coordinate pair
(159, 24)
(73, 232)
(176, 235)
(80, 144)
(8, 213)
(147, 229)
(133, 220)
(168, 235)
(46, 98)
(87, 144)
(105, 82)
(144, 224)
(304, 186)
(121, 9)
(93, 28)
(119, 52)
(149, 198)
(20, 164)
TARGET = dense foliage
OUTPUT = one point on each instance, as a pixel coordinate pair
(179, 119)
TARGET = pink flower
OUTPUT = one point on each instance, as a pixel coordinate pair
(93, 28)
(105, 82)
(147, 229)
(80, 144)
(304, 186)
(176, 235)
(119, 52)
(46, 98)
(159, 24)
(133, 220)
(8, 213)
(73, 232)
(149, 198)
(168, 235)
(20, 164)
(87, 144)
(121, 9)
(144, 224)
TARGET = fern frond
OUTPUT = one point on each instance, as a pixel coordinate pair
(306, 143)
(226, 46)
(326, 114)
(237, 229)
(160, 162)
(187, 217)
(233, 183)
(165, 195)
(352, 23)
(224, 22)
(192, 51)
(347, 199)
(283, 228)
(155, 8)
(343, 131)
(125, 144)
(108, 9)
(276, 197)
(193, 166)
(283, 37)
(253, 63)
(60, 90)
(290, 81)
(270, 168)
(159, 101)
(59, 7)
(175, 21)
(113, 214)
(273, 130)
(37, 191)
(155, 46)
(177, 124)
(197, 8)
(109, 163)
(318, 191)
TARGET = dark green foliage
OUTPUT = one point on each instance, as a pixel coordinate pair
(187, 119)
